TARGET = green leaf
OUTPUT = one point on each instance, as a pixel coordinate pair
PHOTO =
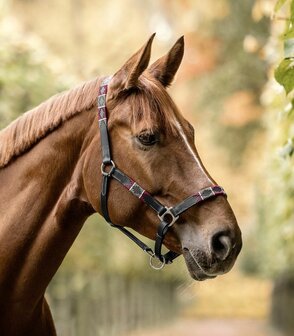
(284, 74)
(279, 5)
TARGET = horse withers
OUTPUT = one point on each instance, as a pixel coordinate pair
(50, 183)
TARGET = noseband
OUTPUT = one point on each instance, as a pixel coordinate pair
(167, 215)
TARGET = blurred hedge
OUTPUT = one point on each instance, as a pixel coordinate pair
(270, 249)
(26, 75)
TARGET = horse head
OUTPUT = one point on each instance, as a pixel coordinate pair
(154, 144)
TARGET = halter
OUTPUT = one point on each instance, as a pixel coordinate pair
(167, 215)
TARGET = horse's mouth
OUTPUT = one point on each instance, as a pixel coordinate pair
(194, 267)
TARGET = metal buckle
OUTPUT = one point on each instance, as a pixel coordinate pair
(108, 164)
(150, 252)
(172, 219)
(160, 263)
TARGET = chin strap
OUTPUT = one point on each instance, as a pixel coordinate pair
(167, 216)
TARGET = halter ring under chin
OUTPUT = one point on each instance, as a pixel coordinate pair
(159, 264)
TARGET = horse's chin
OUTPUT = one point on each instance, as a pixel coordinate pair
(194, 268)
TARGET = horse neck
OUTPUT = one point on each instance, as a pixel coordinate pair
(43, 207)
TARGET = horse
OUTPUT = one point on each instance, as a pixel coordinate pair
(50, 183)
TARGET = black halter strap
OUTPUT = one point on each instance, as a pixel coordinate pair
(167, 216)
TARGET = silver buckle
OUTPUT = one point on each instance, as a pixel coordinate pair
(104, 165)
(172, 219)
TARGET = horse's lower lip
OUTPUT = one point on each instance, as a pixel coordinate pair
(195, 270)
(201, 276)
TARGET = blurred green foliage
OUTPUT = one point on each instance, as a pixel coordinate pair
(25, 77)
(271, 244)
(236, 71)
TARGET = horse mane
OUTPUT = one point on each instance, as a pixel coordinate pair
(150, 104)
(32, 126)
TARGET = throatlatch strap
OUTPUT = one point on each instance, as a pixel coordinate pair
(104, 209)
(104, 142)
(136, 240)
(103, 198)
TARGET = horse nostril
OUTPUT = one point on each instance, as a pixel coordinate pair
(221, 246)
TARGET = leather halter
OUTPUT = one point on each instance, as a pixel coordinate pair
(167, 215)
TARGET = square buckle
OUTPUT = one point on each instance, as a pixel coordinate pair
(168, 217)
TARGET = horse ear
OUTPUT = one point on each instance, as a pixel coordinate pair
(165, 68)
(127, 76)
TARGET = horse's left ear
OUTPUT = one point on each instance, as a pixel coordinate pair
(165, 68)
(127, 76)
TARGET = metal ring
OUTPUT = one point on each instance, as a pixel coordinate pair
(109, 164)
(155, 267)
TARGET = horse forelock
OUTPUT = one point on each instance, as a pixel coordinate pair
(152, 107)
(32, 126)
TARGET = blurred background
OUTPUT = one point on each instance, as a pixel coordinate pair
(243, 120)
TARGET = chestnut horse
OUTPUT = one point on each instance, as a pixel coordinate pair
(50, 182)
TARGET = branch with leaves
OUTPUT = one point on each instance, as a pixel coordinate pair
(284, 74)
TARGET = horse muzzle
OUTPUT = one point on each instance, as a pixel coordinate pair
(216, 258)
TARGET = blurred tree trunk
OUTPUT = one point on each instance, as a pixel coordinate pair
(282, 309)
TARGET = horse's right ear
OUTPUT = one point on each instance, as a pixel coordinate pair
(127, 76)
(165, 68)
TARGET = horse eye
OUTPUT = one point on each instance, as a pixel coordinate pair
(147, 139)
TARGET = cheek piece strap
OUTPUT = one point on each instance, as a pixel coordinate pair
(167, 215)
